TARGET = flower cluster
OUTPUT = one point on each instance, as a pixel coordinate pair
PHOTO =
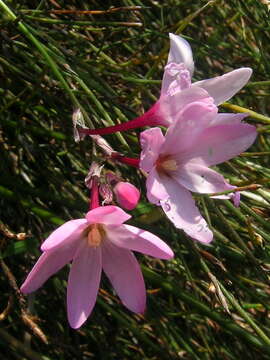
(176, 163)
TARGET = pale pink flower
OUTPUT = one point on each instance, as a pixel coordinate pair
(127, 195)
(177, 90)
(178, 162)
(99, 241)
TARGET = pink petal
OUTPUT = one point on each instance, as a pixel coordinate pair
(133, 238)
(170, 106)
(83, 284)
(181, 210)
(68, 232)
(151, 141)
(217, 144)
(228, 118)
(175, 78)
(180, 52)
(124, 272)
(155, 187)
(222, 88)
(194, 118)
(127, 195)
(48, 264)
(108, 215)
(199, 178)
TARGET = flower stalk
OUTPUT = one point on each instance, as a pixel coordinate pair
(126, 160)
(149, 118)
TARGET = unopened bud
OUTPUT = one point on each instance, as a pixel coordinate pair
(127, 195)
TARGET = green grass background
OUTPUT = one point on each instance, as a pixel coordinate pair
(209, 302)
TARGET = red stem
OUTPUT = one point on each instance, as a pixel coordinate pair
(150, 118)
(94, 198)
(126, 160)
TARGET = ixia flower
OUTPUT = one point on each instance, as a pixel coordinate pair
(178, 162)
(177, 90)
(99, 241)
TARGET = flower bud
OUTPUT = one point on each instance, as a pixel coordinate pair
(127, 195)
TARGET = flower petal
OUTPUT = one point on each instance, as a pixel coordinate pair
(108, 215)
(124, 272)
(68, 232)
(170, 106)
(151, 141)
(194, 118)
(217, 144)
(199, 178)
(175, 78)
(181, 210)
(180, 52)
(155, 188)
(133, 238)
(222, 88)
(48, 264)
(228, 118)
(83, 284)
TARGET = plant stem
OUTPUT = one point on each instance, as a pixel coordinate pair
(254, 115)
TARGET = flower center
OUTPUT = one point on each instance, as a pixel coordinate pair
(96, 234)
(166, 164)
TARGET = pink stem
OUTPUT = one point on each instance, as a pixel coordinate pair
(126, 160)
(150, 118)
(94, 198)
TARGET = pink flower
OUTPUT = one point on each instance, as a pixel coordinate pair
(179, 162)
(99, 241)
(127, 195)
(177, 90)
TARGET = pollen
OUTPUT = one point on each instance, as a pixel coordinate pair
(95, 236)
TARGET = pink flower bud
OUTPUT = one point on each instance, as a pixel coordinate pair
(127, 195)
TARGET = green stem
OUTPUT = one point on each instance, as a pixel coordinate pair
(201, 308)
(83, 23)
(24, 29)
(254, 115)
(258, 83)
(101, 109)
(232, 300)
(43, 213)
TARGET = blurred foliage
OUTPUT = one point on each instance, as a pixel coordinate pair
(209, 302)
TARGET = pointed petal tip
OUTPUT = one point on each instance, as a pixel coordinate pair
(170, 254)
(224, 87)
(180, 52)
(138, 308)
(75, 323)
(205, 240)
